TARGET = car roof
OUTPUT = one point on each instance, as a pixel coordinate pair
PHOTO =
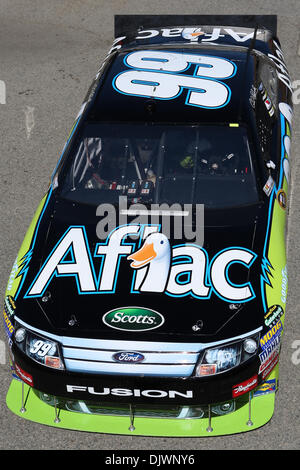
(111, 105)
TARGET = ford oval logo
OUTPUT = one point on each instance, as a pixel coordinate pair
(128, 356)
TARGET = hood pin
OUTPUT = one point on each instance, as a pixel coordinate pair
(72, 321)
(198, 326)
(46, 296)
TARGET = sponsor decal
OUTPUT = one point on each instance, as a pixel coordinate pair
(9, 328)
(273, 315)
(253, 96)
(12, 275)
(193, 34)
(133, 319)
(281, 198)
(271, 335)
(267, 100)
(13, 373)
(126, 356)
(268, 187)
(126, 392)
(244, 387)
(27, 378)
(273, 345)
(270, 367)
(281, 69)
(267, 358)
(9, 305)
(156, 265)
(267, 387)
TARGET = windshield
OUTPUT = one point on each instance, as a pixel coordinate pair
(150, 163)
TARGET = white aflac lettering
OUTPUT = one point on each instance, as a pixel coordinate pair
(195, 269)
(80, 267)
(190, 33)
(156, 267)
(239, 37)
(112, 251)
(281, 69)
(219, 274)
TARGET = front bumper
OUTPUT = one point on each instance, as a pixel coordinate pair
(255, 407)
(138, 389)
(257, 411)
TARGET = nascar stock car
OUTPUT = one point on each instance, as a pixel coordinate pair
(118, 322)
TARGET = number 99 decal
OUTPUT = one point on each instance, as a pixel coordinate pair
(40, 347)
(157, 74)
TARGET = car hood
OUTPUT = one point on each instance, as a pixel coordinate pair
(191, 304)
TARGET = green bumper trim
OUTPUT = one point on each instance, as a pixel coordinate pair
(262, 408)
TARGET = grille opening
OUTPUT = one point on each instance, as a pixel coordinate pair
(142, 410)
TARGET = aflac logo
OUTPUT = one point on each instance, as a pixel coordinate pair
(157, 267)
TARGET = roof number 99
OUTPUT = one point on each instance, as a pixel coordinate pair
(158, 74)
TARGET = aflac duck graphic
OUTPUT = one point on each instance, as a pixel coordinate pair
(155, 257)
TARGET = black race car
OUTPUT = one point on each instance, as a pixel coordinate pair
(149, 294)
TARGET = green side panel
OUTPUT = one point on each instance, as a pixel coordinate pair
(276, 292)
(277, 258)
(20, 262)
(262, 408)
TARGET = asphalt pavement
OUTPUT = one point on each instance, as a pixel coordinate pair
(49, 53)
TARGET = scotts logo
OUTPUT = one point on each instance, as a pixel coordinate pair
(133, 319)
(153, 265)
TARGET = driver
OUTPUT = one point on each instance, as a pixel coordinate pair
(209, 160)
(204, 150)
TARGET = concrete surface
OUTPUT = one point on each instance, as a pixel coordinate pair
(49, 52)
